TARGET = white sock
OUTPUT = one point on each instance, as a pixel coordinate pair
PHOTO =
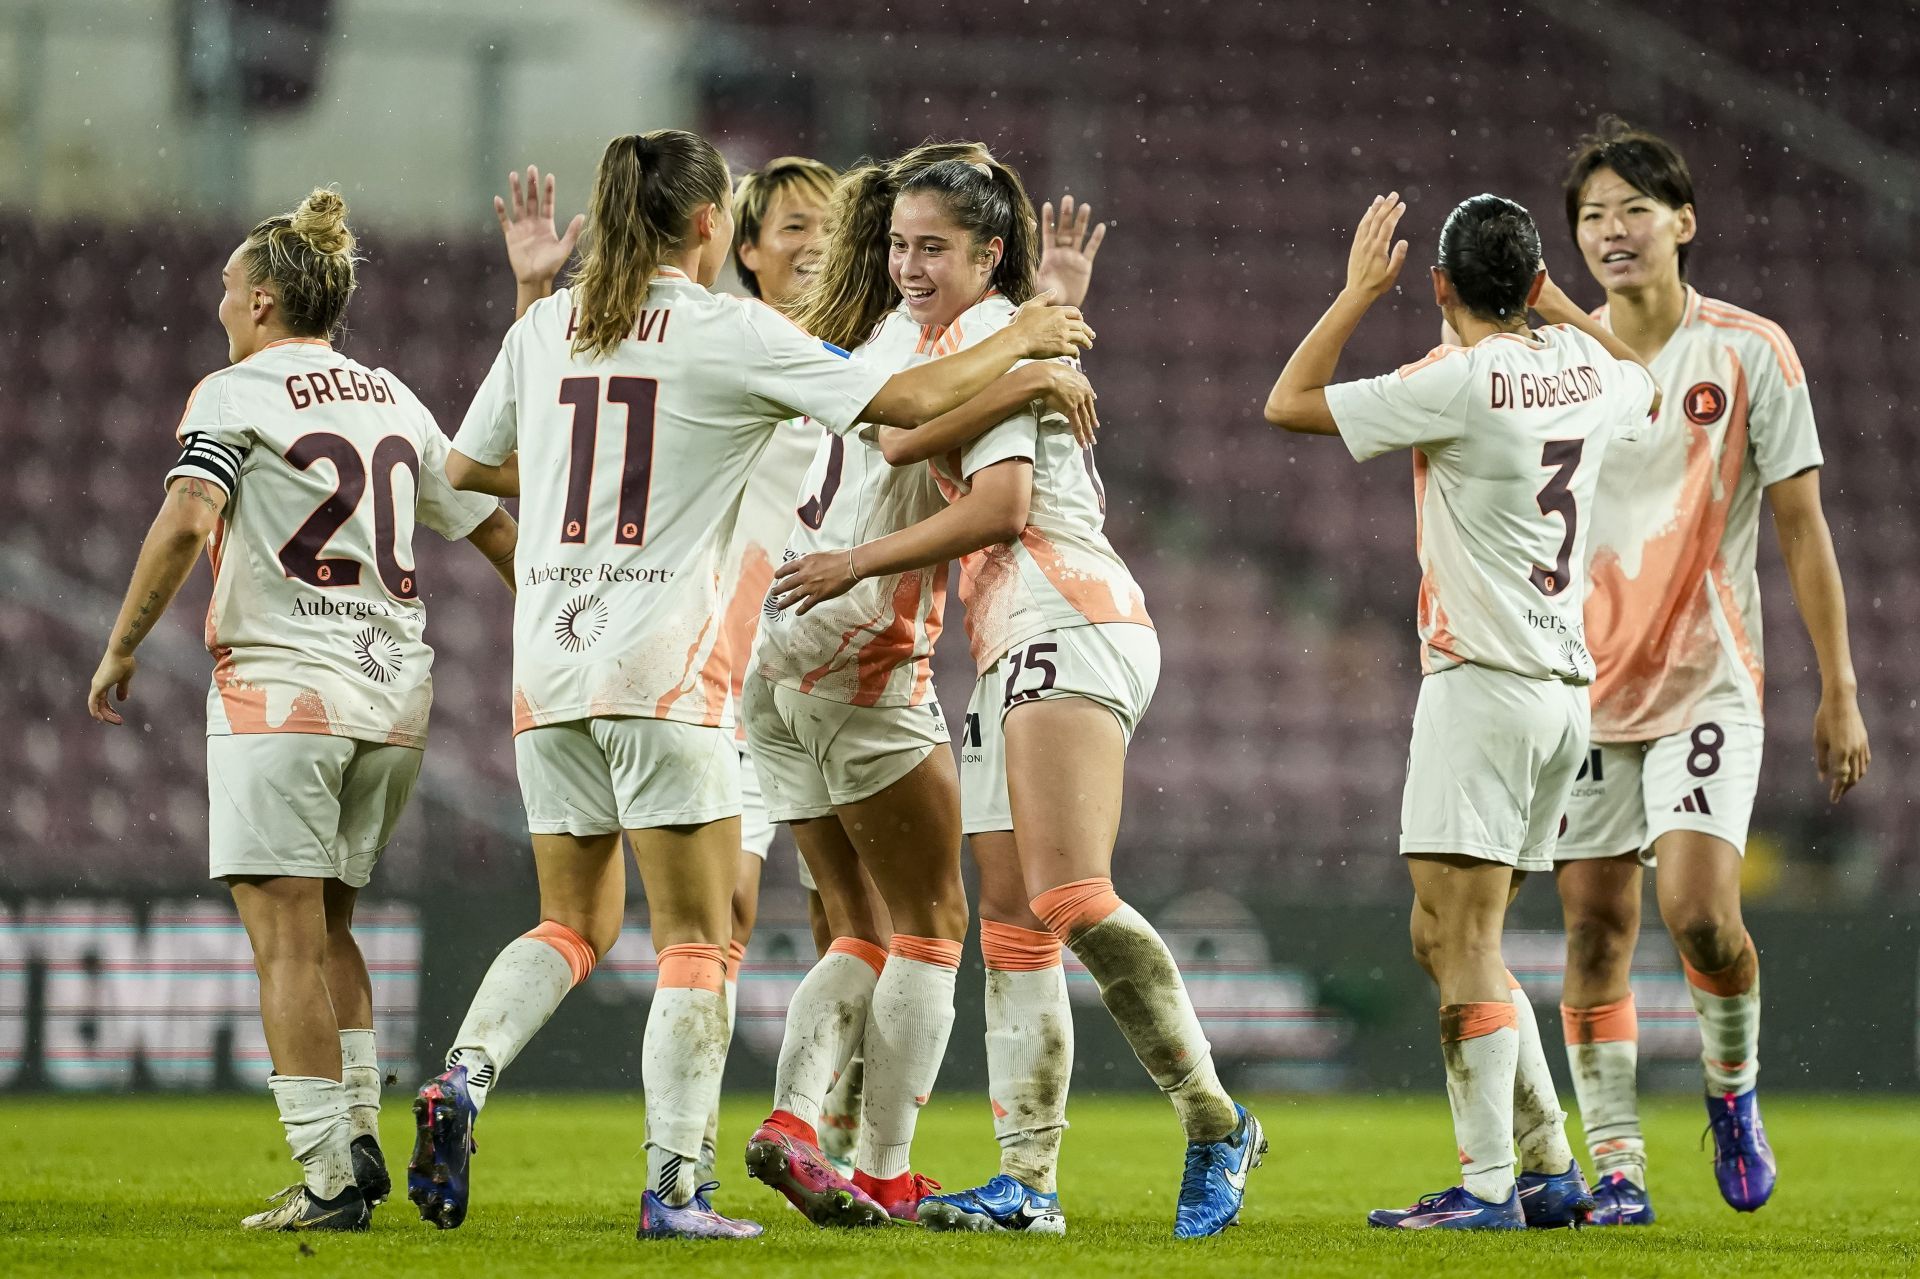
(1603, 1050)
(314, 1113)
(1480, 1075)
(825, 1020)
(526, 983)
(839, 1125)
(1729, 1028)
(710, 1144)
(906, 1039)
(680, 1064)
(360, 1074)
(1029, 1066)
(1141, 987)
(1539, 1125)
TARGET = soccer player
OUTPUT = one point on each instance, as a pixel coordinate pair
(1068, 656)
(305, 474)
(850, 743)
(647, 400)
(1673, 616)
(1507, 431)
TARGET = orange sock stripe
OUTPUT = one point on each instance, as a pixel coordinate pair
(1017, 950)
(693, 966)
(1736, 978)
(1612, 1023)
(864, 951)
(572, 947)
(1069, 908)
(926, 950)
(1460, 1022)
(736, 955)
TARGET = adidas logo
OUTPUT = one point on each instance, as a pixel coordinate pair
(1694, 803)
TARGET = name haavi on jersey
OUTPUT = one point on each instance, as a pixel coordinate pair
(1576, 385)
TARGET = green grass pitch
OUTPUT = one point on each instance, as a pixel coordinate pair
(142, 1185)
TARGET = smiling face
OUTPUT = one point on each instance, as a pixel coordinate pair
(792, 235)
(1630, 240)
(934, 262)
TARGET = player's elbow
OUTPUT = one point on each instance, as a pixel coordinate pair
(1282, 411)
(900, 448)
(902, 402)
(463, 472)
(496, 537)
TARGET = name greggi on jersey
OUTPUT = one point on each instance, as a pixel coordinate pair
(342, 385)
(572, 576)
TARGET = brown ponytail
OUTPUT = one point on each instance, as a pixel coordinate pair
(645, 192)
(853, 290)
(307, 255)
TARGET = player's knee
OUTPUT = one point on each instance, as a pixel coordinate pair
(1599, 941)
(1707, 939)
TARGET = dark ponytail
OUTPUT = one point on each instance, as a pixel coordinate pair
(1490, 250)
(986, 198)
(852, 291)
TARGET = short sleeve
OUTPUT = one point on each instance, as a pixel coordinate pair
(1017, 436)
(448, 511)
(1780, 428)
(490, 432)
(1416, 406)
(213, 441)
(790, 374)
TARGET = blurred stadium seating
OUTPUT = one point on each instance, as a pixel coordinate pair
(1231, 145)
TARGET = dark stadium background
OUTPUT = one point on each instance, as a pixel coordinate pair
(1230, 146)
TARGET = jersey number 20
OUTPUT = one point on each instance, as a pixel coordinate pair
(1562, 457)
(301, 557)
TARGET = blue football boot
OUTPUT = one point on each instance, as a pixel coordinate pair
(1742, 1159)
(694, 1219)
(1618, 1201)
(1214, 1183)
(1005, 1203)
(1554, 1201)
(443, 1118)
(1455, 1208)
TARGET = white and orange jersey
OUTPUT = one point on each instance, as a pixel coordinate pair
(631, 471)
(1061, 571)
(316, 624)
(1507, 437)
(872, 646)
(1673, 603)
(759, 535)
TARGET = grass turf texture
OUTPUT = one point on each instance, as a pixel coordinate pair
(145, 1184)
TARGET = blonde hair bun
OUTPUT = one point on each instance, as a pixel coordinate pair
(321, 222)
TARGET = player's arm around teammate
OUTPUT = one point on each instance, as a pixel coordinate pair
(314, 740)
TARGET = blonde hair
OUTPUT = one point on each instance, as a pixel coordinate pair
(308, 256)
(645, 193)
(755, 195)
(853, 291)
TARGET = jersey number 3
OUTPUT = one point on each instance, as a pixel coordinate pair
(639, 394)
(1562, 457)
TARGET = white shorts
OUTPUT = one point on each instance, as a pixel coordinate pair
(1116, 664)
(1629, 794)
(598, 776)
(756, 831)
(304, 804)
(813, 753)
(1492, 758)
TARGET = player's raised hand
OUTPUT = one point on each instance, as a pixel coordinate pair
(1840, 749)
(1048, 330)
(807, 580)
(1374, 264)
(534, 249)
(114, 673)
(1070, 394)
(1067, 250)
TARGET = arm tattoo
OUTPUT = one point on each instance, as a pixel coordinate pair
(197, 490)
(141, 621)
